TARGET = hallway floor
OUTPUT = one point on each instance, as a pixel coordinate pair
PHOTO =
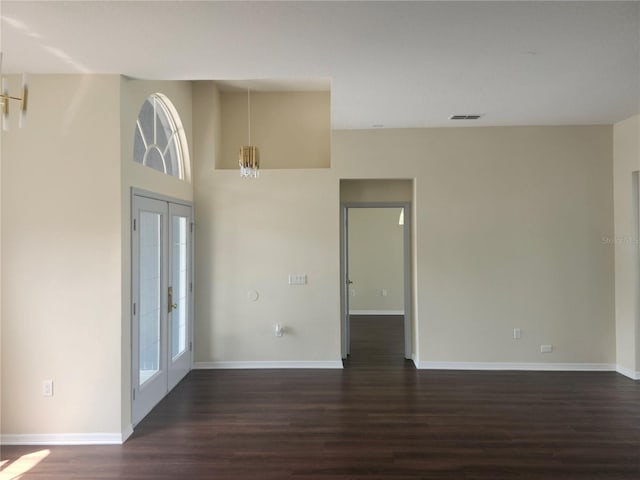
(377, 341)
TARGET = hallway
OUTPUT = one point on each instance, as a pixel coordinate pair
(376, 341)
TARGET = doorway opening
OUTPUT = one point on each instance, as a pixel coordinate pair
(376, 275)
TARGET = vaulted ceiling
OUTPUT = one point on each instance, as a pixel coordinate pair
(395, 64)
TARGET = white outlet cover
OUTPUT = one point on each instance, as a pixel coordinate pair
(546, 348)
(47, 388)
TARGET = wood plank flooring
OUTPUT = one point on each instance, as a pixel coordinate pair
(377, 341)
(376, 419)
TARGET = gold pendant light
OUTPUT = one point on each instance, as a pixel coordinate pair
(249, 157)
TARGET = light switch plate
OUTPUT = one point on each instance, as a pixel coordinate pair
(47, 388)
(298, 279)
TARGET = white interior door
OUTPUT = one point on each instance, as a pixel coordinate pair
(162, 300)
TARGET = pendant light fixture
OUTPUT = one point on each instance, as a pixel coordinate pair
(249, 157)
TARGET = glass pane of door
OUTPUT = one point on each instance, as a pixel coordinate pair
(179, 282)
(150, 305)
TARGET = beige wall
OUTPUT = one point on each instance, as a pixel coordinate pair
(508, 228)
(291, 129)
(376, 260)
(508, 231)
(626, 158)
(61, 246)
(376, 191)
(207, 135)
(251, 236)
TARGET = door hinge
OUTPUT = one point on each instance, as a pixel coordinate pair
(134, 224)
(191, 286)
(191, 227)
(134, 393)
(191, 346)
(134, 308)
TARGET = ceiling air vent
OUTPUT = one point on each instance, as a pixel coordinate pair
(474, 116)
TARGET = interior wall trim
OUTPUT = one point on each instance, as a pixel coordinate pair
(559, 367)
(65, 438)
(627, 372)
(266, 364)
(415, 360)
(376, 312)
(127, 433)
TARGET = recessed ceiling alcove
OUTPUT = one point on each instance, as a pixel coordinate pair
(290, 122)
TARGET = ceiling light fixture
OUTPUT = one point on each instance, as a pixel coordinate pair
(249, 157)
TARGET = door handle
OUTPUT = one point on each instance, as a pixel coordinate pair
(172, 305)
(349, 282)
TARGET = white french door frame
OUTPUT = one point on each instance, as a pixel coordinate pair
(172, 368)
(180, 304)
(344, 273)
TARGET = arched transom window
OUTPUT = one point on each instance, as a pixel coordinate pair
(159, 139)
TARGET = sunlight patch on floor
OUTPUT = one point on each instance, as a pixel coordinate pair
(22, 465)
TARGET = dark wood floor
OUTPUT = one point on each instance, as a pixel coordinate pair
(373, 420)
(377, 341)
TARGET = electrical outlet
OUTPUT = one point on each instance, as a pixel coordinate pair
(384, 292)
(516, 333)
(47, 388)
(546, 348)
(279, 330)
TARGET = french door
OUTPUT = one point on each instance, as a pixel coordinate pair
(162, 300)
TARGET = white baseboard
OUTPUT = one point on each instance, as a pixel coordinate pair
(627, 372)
(127, 433)
(64, 438)
(560, 367)
(415, 360)
(267, 364)
(376, 312)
